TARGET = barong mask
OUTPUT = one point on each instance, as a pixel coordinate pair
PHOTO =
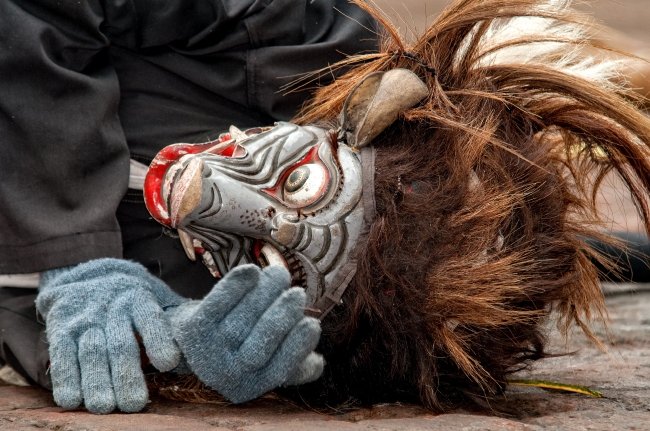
(287, 194)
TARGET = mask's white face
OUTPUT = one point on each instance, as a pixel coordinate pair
(281, 195)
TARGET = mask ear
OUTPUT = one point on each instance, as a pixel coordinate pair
(376, 102)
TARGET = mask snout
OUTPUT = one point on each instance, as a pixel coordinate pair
(187, 191)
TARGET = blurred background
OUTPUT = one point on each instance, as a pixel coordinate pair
(627, 16)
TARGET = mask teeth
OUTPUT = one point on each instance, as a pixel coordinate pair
(188, 244)
(209, 262)
(298, 274)
(237, 134)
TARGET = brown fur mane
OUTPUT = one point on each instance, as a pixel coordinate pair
(456, 281)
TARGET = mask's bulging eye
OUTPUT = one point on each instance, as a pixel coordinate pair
(302, 184)
(297, 179)
(305, 184)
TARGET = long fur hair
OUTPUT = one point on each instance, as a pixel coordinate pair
(485, 195)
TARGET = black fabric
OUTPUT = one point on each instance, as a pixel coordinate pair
(65, 161)
(86, 85)
(23, 343)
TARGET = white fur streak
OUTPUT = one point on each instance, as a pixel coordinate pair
(561, 45)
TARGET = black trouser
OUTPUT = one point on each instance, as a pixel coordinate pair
(23, 343)
(633, 263)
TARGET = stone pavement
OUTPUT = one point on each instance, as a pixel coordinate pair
(623, 377)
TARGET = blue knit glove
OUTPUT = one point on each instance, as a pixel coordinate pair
(249, 335)
(91, 312)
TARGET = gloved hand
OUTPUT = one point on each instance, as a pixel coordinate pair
(249, 335)
(91, 311)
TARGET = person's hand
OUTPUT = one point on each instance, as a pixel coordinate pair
(91, 312)
(249, 335)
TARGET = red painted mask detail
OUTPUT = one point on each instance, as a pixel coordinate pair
(153, 181)
(257, 248)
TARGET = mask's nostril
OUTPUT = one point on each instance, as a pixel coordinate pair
(186, 191)
(286, 233)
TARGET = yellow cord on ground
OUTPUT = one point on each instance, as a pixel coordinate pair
(554, 385)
